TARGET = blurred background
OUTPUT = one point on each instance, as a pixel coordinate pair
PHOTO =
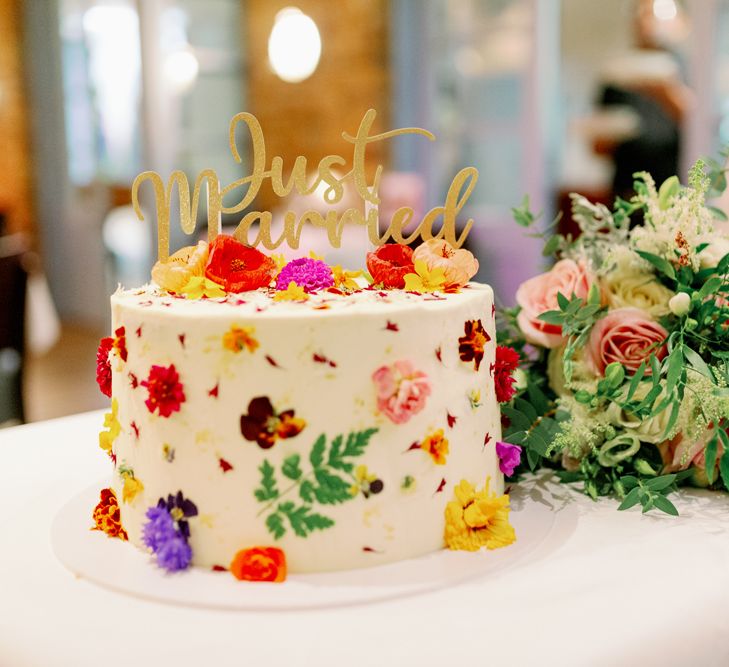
(544, 97)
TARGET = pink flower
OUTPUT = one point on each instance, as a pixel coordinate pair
(539, 294)
(166, 393)
(459, 266)
(509, 457)
(679, 454)
(625, 335)
(401, 390)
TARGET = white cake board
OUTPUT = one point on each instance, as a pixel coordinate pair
(542, 518)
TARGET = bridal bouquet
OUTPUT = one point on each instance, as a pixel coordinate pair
(625, 346)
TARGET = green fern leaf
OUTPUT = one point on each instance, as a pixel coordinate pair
(306, 491)
(303, 520)
(331, 489)
(291, 468)
(317, 451)
(357, 442)
(275, 525)
(268, 489)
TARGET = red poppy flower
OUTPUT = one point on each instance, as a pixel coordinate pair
(259, 564)
(103, 365)
(389, 263)
(238, 267)
(470, 346)
(507, 360)
(165, 390)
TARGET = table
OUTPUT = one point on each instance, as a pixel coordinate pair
(616, 588)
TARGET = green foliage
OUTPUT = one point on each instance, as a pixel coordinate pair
(650, 493)
(328, 482)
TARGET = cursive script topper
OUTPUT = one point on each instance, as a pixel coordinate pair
(260, 222)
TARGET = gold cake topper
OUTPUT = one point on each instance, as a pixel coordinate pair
(458, 193)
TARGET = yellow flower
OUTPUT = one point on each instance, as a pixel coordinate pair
(313, 255)
(176, 272)
(437, 446)
(200, 286)
(239, 339)
(280, 262)
(293, 292)
(106, 438)
(425, 279)
(476, 519)
(363, 477)
(132, 486)
(474, 398)
(345, 279)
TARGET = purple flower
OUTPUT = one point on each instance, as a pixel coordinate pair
(179, 508)
(174, 554)
(509, 457)
(159, 528)
(311, 274)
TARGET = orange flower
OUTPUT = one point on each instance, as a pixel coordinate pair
(470, 345)
(259, 564)
(437, 446)
(239, 339)
(107, 516)
(173, 274)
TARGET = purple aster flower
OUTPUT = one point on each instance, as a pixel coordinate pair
(159, 528)
(509, 457)
(311, 274)
(174, 554)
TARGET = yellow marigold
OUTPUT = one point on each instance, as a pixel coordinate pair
(475, 519)
(344, 279)
(293, 292)
(107, 517)
(200, 286)
(111, 422)
(425, 279)
(176, 272)
(239, 339)
(436, 444)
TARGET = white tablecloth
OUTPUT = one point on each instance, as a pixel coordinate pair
(617, 588)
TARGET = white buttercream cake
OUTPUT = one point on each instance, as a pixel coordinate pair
(334, 428)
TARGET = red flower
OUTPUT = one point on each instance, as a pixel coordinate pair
(389, 263)
(507, 360)
(259, 564)
(165, 390)
(470, 345)
(265, 426)
(120, 343)
(107, 517)
(103, 365)
(238, 267)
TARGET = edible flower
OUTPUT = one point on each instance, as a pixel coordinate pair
(401, 390)
(103, 365)
(175, 273)
(366, 482)
(199, 287)
(237, 339)
(311, 274)
(259, 564)
(507, 360)
(509, 457)
(111, 422)
(238, 267)
(344, 279)
(389, 263)
(425, 279)
(265, 426)
(166, 393)
(107, 517)
(132, 486)
(436, 444)
(293, 292)
(471, 344)
(476, 519)
(458, 265)
(166, 531)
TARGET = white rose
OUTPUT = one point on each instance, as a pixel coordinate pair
(627, 285)
(712, 254)
(680, 304)
(651, 429)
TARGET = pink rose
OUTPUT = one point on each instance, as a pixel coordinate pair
(539, 294)
(459, 266)
(679, 454)
(625, 335)
(401, 390)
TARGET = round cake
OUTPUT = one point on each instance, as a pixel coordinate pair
(335, 428)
